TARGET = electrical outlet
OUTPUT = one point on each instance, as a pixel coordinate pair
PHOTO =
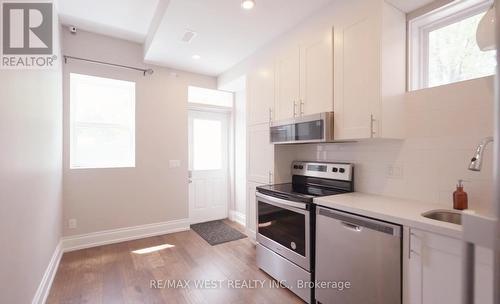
(72, 223)
(174, 163)
(394, 171)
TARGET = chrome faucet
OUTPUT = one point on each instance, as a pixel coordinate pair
(477, 160)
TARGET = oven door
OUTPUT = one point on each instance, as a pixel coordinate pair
(283, 227)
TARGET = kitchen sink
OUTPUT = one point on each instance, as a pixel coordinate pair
(449, 216)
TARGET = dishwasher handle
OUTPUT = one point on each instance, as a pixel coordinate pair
(351, 226)
(357, 223)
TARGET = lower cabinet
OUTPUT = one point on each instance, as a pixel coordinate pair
(260, 154)
(435, 270)
(251, 216)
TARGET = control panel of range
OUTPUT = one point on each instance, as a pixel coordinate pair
(340, 171)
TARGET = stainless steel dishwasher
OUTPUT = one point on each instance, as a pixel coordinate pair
(359, 251)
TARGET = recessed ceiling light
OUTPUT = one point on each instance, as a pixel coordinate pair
(247, 4)
(196, 57)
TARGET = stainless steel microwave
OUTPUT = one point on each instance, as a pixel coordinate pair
(315, 128)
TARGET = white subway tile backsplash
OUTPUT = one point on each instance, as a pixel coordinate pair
(444, 126)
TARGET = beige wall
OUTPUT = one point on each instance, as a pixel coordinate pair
(103, 199)
(30, 178)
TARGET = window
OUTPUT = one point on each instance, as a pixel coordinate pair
(102, 122)
(443, 46)
(210, 97)
(207, 144)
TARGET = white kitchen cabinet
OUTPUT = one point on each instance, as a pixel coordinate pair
(369, 73)
(316, 74)
(251, 215)
(304, 77)
(287, 84)
(435, 270)
(261, 93)
(260, 163)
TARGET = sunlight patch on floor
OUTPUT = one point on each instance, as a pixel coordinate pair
(152, 249)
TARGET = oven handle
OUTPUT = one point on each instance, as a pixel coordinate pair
(281, 202)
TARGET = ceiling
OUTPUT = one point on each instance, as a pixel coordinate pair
(125, 19)
(411, 5)
(225, 33)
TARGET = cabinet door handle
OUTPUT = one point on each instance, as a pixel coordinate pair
(270, 116)
(301, 107)
(410, 250)
(294, 108)
(270, 177)
(410, 234)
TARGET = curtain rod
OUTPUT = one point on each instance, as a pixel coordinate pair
(144, 71)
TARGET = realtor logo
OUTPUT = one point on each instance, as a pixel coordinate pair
(27, 35)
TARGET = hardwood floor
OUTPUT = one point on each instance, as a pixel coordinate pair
(115, 274)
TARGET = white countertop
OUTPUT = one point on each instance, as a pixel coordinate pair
(399, 211)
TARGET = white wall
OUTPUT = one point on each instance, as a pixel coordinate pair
(103, 199)
(444, 125)
(30, 178)
(240, 152)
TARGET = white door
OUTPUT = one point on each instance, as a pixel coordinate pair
(208, 165)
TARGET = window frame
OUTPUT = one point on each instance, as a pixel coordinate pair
(204, 104)
(75, 125)
(419, 29)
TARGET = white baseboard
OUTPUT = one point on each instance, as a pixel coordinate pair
(76, 242)
(252, 234)
(237, 217)
(48, 277)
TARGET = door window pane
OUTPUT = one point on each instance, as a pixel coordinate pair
(207, 144)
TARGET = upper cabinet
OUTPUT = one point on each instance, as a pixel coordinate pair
(287, 84)
(316, 74)
(304, 77)
(261, 94)
(369, 73)
(356, 68)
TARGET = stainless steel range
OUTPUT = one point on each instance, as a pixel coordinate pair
(286, 222)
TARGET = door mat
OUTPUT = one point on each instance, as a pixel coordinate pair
(217, 232)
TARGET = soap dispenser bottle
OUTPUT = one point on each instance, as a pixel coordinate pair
(460, 201)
